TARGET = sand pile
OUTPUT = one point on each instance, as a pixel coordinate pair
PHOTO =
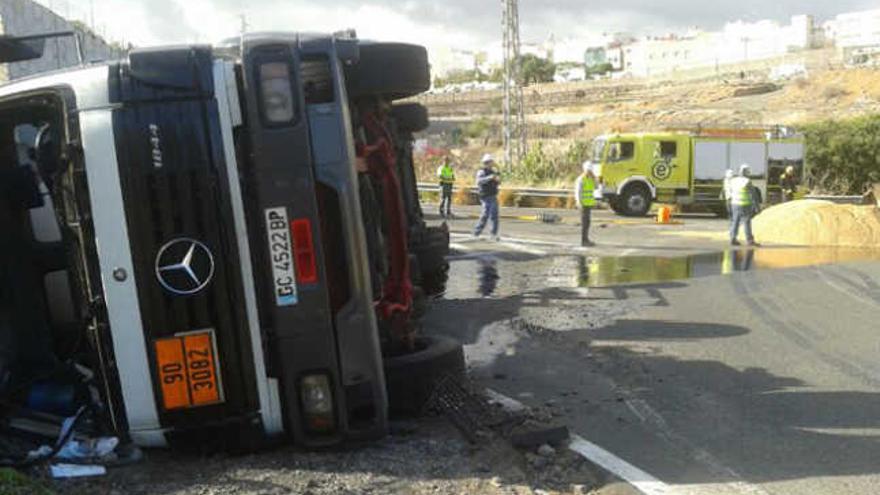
(819, 223)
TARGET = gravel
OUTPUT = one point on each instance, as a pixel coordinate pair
(431, 459)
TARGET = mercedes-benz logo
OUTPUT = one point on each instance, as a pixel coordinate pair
(184, 266)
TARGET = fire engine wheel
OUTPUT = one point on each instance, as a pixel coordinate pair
(410, 117)
(720, 211)
(635, 201)
(411, 379)
(391, 70)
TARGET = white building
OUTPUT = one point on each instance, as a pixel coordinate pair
(855, 32)
(738, 42)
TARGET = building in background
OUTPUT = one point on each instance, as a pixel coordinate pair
(855, 34)
(24, 17)
(737, 42)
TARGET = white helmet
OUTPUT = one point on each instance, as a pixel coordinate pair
(728, 174)
(587, 166)
(745, 170)
(487, 158)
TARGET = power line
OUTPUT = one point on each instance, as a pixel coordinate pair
(514, 117)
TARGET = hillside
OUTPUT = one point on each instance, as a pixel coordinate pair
(560, 115)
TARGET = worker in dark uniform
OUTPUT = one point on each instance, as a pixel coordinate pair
(789, 183)
(487, 183)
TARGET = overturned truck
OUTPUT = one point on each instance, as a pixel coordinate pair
(220, 244)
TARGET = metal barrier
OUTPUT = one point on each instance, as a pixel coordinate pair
(520, 192)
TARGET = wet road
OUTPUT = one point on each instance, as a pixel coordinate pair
(737, 372)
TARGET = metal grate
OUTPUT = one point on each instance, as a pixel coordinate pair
(470, 410)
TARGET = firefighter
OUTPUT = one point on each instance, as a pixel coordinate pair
(744, 201)
(446, 176)
(584, 190)
(487, 183)
(789, 184)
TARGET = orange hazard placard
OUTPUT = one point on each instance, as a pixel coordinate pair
(188, 372)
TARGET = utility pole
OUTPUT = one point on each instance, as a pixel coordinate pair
(514, 117)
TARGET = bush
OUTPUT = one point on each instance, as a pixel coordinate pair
(478, 128)
(843, 157)
(834, 92)
(540, 167)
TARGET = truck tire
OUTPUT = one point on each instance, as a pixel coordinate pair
(614, 204)
(390, 70)
(635, 200)
(411, 379)
(720, 211)
(432, 249)
(410, 117)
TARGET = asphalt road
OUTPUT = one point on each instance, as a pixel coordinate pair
(750, 372)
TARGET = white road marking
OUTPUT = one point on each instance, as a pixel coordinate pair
(460, 247)
(524, 249)
(651, 417)
(638, 478)
(511, 405)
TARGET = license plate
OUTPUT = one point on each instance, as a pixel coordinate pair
(189, 374)
(281, 256)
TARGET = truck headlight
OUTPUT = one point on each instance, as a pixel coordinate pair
(316, 397)
(276, 93)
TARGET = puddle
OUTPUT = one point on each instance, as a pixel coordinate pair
(491, 276)
(611, 271)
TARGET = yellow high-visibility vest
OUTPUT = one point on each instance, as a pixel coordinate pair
(588, 187)
(447, 175)
(740, 189)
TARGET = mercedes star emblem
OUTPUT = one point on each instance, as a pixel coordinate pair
(184, 266)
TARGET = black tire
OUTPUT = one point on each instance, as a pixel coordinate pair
(720, 211)
(635, 200)
(390, 70)
(432, 250)
(614, 204)
(411, 379)
(410, 117)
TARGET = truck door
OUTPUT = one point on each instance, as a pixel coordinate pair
(620, 162)
(670, 162)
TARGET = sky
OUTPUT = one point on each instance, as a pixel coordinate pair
(470, 24)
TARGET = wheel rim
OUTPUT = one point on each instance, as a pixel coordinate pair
(636, 202)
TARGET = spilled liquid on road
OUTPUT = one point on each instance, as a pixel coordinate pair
(610, 271)
(494, 275)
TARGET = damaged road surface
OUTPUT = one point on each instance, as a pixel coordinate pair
(712, 377)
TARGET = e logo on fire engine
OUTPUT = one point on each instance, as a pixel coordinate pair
(662, 168)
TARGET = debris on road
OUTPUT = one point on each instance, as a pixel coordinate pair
(819, 223)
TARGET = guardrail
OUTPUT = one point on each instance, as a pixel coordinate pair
(525, 193)
(517, 191)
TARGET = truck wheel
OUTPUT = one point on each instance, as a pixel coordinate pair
(614, 204)
(411, 379)
(391, 70)
(635, 201)
(432, 250)
(720, 211)
(410, 117)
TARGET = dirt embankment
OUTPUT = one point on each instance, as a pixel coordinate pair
(558, 118)
(819, 223)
